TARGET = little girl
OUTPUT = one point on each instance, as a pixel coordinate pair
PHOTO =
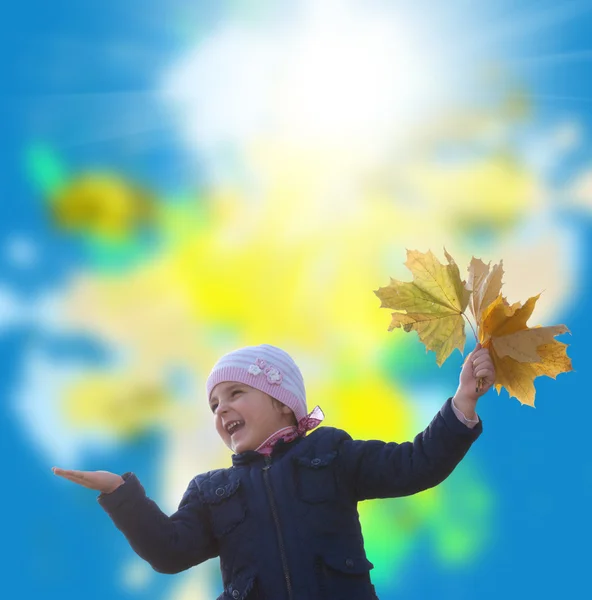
(283, 518)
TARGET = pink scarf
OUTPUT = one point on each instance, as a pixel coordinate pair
(289, 434)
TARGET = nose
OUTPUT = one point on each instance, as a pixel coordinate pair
(222, 407)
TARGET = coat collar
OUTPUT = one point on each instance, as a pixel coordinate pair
(279, 449)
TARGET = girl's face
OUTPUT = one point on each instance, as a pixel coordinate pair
(244, 416)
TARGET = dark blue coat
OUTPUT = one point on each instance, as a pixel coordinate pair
(286, 527)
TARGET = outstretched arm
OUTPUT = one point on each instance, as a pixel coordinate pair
(170, 544)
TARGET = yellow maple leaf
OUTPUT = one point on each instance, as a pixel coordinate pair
(432, 304)
(485, 285)
(518, 377)
(521, 353)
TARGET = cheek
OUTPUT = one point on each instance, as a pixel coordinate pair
(221, 431)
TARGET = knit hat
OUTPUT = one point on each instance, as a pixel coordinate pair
(270, 370)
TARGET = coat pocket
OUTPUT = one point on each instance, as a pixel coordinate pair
(343, 575)
(226, 505)
(242, 587)
(315, 478)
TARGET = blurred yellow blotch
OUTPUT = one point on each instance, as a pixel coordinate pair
(103, 204)
(113, 404)
(270, 277)
(494, 191)
(477, 124)
(360, 400)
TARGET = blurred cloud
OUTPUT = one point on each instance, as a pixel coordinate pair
(547, 150)
(42, 311)
(334, 74)
(11, 309)
(21, 251)
(36, 404)
(580, 190)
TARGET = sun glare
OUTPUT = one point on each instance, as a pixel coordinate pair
(329, 79)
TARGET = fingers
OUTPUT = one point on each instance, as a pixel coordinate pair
(483, 368)
(488, 374)
(482, 361)
(480, 354)
(484, 371)
(76, 476)
(482, 358)
(68, 473)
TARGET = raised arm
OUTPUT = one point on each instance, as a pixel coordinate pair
(377, 469)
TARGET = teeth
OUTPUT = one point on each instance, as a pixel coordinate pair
(232, 426)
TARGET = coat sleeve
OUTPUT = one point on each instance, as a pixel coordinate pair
(376, 469)
(170, 544)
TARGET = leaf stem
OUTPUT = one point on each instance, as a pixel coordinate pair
(471, 325)
(480, 380)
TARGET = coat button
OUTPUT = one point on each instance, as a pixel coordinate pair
(220, 492)
(235, 594)
(315, 461)
(349, 563)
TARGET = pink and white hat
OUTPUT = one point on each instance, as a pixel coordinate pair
(270, 370)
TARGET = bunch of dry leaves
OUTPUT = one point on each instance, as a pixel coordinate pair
(434, 305)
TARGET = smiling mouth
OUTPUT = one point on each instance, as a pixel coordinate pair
(234, 426)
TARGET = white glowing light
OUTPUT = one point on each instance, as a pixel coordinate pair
(353, 81)
(335, 76)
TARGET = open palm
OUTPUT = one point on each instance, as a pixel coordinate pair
(102, 481)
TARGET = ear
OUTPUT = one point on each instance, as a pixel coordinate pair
(286, 409)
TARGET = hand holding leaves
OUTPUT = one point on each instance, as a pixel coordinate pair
(477, 376)
(434, 304)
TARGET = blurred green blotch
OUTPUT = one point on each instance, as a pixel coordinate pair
(46, 171)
